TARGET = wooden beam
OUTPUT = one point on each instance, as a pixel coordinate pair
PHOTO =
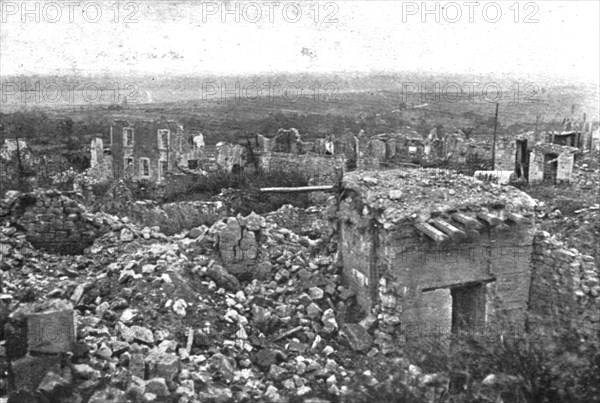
(448, 229)
(299, 189)
(468, 222)
(517, 218)
(492, 220)
(431, 232)
(289, 333)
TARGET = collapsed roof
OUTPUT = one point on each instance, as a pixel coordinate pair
(395, 195)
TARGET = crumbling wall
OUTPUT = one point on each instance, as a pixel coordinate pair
(52, 220)
(356, 242)
(322, 169)
(422, 268)
(173, 218)
(238, 240)
(288, 141)
(394, 149)
(420, 274)
(564, 285)
(505, 154)
(229, 155)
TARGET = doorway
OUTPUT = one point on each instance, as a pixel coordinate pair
(468, 308)
(522, 160)
(550, 167)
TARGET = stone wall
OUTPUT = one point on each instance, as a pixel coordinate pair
(53, 221)
(229, 156)
(564, 285)
(238, 241)
(322, 169)
(173, 218)
(393, 149)
(420, 276)
(417, 285)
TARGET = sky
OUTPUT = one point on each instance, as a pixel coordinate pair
(551, 38)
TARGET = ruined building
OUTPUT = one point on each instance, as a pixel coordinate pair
(389, 150)
(147, 150)
(536, 161)
(551, 163)
(435, 248)
(320, 162)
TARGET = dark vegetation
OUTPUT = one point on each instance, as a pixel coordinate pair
(242, 190)
(239, 190)
(539, 365)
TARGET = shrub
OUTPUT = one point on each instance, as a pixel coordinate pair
(245, 196)
(537, 366)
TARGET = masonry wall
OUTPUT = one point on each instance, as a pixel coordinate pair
(420, 273)
(536, 166)
(391, 150)
(53, 221)
(408, 278)
(145, 145)
(564, 286)
(230, 155)
(355, 245)
(505, 154)
(323, 169)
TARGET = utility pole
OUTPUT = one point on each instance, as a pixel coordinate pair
(494, 140)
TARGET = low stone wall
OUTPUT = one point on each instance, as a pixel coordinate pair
(322, 169)
(564, 286)
(52, 220)
(238, 240)
(172, 218)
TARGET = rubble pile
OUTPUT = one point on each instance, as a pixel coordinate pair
(172, 218)
(145, 317)
(52, 220)
(428, 192)
(572, 211)
(309, 222)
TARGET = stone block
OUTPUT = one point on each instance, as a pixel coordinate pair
(30, 371)
(51, 332)
(50, 326)
(357, 336)
(163, 365)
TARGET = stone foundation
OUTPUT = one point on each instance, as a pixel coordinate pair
(52, 220)
(320, 169)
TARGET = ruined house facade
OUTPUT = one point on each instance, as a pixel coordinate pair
(147, 150)
(434, 250)
(534, 160)
(321, 162)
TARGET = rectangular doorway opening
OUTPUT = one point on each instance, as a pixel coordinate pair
(522, 160)
(550, 167)
(468, 308)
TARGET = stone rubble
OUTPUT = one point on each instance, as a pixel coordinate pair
(145, 317)
(242, 310)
